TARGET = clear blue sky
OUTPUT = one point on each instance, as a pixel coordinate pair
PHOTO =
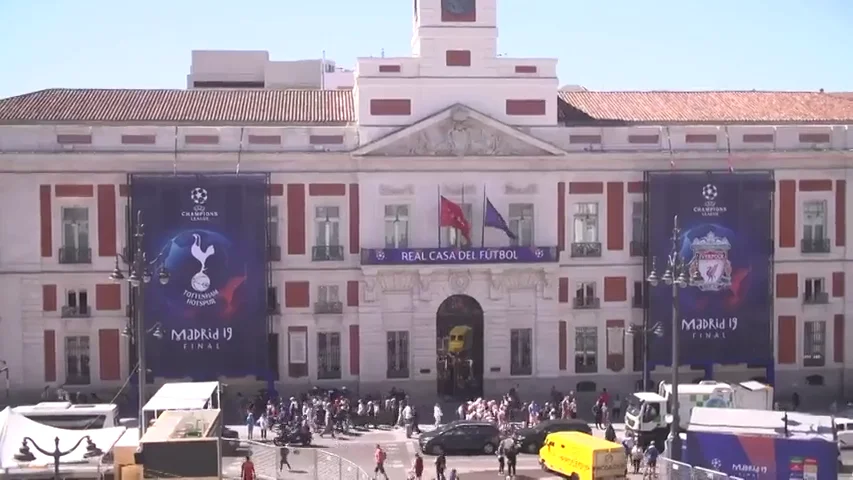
(601, 44)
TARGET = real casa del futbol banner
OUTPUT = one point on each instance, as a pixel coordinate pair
(726, 228)
(209, 231)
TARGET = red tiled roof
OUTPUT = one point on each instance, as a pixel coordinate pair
(242, 107)
(305, 107)
(710, 107)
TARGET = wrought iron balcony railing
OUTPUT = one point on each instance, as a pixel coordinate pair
(586, 249)
(75, 255)
(327, 253)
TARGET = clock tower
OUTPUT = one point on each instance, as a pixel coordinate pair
(440, 26)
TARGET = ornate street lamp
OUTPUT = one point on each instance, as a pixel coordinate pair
(676, 276)
(645, 331)
(24, 454)
(139, 276)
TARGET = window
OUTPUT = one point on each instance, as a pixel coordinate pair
(585, 295)
(75, 236)
(638, 221)
(638, 340)
(521, 224)
(397, 354)
(521, 351)
(586, 223)
(396, 226)
(639, 300)
(272, 300)
(327, 294)
(328, 300)
(454, 237)
(273, 225)
(814, 220)
(76, 304)
(328, 355)
(814, 344)
(327, 220)
(77, 361)
(586, 349)
(815, 291)
(327, 228)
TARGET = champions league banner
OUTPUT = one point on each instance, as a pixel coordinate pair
(209, 232)
(726, 232)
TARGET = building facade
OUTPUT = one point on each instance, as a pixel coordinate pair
(361, 270)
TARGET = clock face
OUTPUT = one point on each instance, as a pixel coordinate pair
(458, 7)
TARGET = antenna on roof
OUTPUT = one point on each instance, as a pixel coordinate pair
(175, 158)
(382, 53)
(240, 149)
(323, 71)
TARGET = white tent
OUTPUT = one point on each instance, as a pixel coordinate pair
(183, 396)
(14, 427)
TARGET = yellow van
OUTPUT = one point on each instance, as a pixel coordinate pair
(579, 456)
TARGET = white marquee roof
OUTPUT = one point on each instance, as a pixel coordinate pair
(14, 427)
(182, 396)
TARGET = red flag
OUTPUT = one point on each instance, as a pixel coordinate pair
(453, 216)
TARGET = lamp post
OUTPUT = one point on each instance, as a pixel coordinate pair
(4, 369)
(25, 455)
(676, 277)
(139, 276)
(645, 331)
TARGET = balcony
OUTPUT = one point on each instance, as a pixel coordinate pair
(819, 298)
(76, 312)
(327, 253)
(638, 248)
(458, 256)
(586, 249)
(814, 245)
(75, 255)
(329, 308)
(273, 253)
(587, 303)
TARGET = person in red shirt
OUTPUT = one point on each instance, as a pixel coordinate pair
(247, 470)
(380, 456)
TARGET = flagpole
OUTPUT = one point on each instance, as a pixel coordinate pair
(462, 205)
(483, 231)
(438, 226)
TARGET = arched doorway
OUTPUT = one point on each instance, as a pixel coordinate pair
(459, 348)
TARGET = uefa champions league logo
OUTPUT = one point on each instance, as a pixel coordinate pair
(717, 464)
(709, 207)
(200, 212)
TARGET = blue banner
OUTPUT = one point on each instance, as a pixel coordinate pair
(726, 241)
(458, 256)
(209, 232)
(763, 457)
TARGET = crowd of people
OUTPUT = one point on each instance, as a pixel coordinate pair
(327, 412)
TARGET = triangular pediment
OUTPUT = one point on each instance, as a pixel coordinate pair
(458, 131)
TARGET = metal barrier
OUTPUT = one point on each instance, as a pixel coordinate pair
(670, 469)
(305, 463)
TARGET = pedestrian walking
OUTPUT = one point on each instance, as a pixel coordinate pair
(250, 423)
(247, 469)
(264, 425)
(283, 453)
(440, 466)
(418, 466)
(437, 414)
(379, 456)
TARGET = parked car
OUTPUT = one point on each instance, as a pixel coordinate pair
(530, 440)
(461, 436)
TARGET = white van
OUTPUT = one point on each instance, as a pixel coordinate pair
(70, 416)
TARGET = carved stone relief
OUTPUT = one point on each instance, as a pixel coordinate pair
(501, 282)
(369, 290)
(460, 135)
(530, 189)
(459, 281)
(397, 190)
(424, 280)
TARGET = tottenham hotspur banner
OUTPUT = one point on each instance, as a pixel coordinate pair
(209, 232)
(726, 230)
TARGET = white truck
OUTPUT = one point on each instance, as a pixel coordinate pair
(648, 415)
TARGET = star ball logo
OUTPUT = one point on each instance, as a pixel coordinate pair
(709, 208)
(199, 212)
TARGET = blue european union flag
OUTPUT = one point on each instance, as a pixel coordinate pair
(494, 219)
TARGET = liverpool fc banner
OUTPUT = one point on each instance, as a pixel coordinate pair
(209, 232)
(725, 243)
